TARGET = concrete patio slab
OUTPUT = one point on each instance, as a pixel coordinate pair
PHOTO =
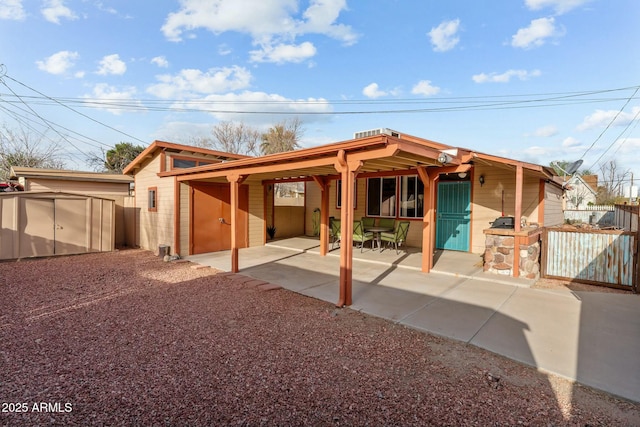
(589, 337)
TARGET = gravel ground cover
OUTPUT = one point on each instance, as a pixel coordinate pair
(124, 338)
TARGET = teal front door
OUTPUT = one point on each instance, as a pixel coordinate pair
(453, 215)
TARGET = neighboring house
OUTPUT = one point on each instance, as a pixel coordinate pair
(580, 192)
(116, 187)
(162, 203)
(449, 195)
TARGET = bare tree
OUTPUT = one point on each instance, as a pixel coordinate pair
(231, 137)
(611, 185)
(283, 136)
(20, 148)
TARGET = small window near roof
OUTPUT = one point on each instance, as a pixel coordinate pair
(153, 199)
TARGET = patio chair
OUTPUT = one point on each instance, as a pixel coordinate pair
(334, 231)
(387, 223)
(368, 222)
(361, 236)
(396, 237)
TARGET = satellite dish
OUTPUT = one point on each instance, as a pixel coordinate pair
(573, 167)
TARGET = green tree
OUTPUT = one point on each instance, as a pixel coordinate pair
(20, 148)
(116, 159)
(282, 137)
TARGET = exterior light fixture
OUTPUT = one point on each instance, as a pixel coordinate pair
(481, 179)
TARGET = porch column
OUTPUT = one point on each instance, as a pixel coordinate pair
(427, 220)
(324, 214)
(235, 180)
(517, 219)
(348, 171)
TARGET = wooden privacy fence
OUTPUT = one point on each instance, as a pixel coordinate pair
(598, 257)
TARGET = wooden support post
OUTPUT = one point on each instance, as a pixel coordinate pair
(517, 220)
(235, 180)
(324, 214)
(348, 171)
(427, 221)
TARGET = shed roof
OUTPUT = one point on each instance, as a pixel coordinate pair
(68, 175)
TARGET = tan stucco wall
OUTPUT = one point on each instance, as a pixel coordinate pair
(553, 214)
(256, 227)
(155, 228)
(487, 200)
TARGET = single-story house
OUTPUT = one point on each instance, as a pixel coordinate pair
(449, 195)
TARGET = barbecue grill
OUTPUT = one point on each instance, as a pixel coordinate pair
(507, 222)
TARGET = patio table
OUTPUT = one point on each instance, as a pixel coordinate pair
(376, 234)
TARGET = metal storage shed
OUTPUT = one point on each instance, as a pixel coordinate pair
(36, 224)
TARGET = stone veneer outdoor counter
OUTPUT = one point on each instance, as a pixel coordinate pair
(513, 253)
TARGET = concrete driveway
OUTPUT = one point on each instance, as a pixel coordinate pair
(590, 337)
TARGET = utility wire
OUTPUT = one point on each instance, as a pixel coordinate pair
(69, 108)
(609, 125)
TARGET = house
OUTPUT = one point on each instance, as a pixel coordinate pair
(449, 195)
(162, 203)
(581, 191)
(116, 187)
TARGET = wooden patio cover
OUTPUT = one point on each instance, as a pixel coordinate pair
(346, 161)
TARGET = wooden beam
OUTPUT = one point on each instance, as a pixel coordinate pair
(234, 180)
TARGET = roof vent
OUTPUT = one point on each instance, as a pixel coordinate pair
(374, 132)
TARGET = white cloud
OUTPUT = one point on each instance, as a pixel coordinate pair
(112, 64)
(560, 6)
(506, 76)
(107, 97)
(190, 83)
(160, 61)
(535, 34)
(537, 151)
(284, 53)
(443, 37)
(55, 9)
(571, 143)
(12, 10)
(546, 131)
(271, 23)
(272, 107)
(601, 118)
(58, 63)
(224, 50)
(373, 91)
(425, 88)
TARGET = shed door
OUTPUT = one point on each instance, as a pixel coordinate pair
(454, 215)
(70, 226)
(37, 236)
(209, 203)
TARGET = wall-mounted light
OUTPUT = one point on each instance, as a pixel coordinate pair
(481, 179)
(462, 175)
(444, 158)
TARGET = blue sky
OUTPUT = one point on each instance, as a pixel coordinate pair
(534, 80)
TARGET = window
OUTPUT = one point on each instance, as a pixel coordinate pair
(178, 163)
(381, 197)
(339, 194)
(411, 197)
(403, 194)
(153, 199)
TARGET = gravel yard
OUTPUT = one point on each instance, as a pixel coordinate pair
(124, 338)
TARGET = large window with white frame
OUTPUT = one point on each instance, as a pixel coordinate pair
(401, 196)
